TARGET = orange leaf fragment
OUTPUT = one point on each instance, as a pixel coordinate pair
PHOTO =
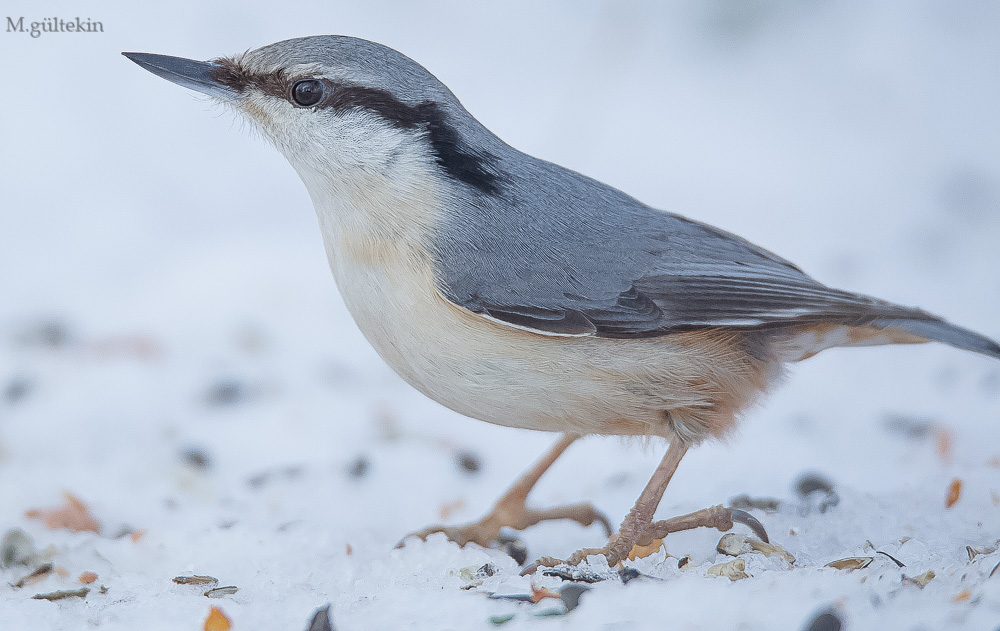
(217, 621)
(137, 535)
(348, 549)
(943, 439)
(962, 597)
(75, 516)
(88, 577)
(538, 595)
(954, 493)
(641, 552)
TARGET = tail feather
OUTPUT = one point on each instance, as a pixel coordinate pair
(940, 331)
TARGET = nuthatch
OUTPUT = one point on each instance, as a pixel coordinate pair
(518, 292)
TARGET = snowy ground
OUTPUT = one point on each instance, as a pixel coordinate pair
(174, 353)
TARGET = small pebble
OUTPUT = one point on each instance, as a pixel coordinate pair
(359, 468)
(825, 621)
(910, 427)
(810, 483)
(514, 547)
(45, 333)
(469, 462)
(817, 491)
(487, 570)
(196, 458)
(321, 620)
(628, 573)
(226, 393)
(16, 390)
(16, 548)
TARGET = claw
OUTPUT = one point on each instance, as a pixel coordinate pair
(742, 517)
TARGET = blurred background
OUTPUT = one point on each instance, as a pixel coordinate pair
(174, 351)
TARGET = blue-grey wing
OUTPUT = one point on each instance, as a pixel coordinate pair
(560, 254)
(617, 268)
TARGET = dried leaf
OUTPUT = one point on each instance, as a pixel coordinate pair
(72, 593)
(137, 535)
(74, 516)
(851, 563)
(87, 578)
(641, 552)
(734, 570)
(963, 597)
(219, 592)
(920, 581)
(974, 552)
(37, 576)
(217, 621)
(954, 493)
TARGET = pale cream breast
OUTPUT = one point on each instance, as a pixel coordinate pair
(377, 225)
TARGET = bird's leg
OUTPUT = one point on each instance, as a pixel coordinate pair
(638, 527)
(511, 511)
(639, 518)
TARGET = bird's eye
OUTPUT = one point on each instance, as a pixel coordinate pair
(307, 92)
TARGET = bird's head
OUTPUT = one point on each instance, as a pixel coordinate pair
(346, 112)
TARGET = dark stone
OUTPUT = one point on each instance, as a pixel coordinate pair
(469, 462)
(359, 468)
(825, 621)
(227, 392)
(17, 390)
(321, 620)
(196, 458)
(570, 595)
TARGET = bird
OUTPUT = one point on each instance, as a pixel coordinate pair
(522, 293)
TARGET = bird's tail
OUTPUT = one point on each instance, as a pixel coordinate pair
(937, 330)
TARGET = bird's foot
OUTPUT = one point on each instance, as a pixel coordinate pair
(511, 512)
(635, 534)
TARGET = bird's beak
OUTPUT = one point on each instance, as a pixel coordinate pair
(196, 75)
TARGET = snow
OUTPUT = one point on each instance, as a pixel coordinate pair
(164, 299)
